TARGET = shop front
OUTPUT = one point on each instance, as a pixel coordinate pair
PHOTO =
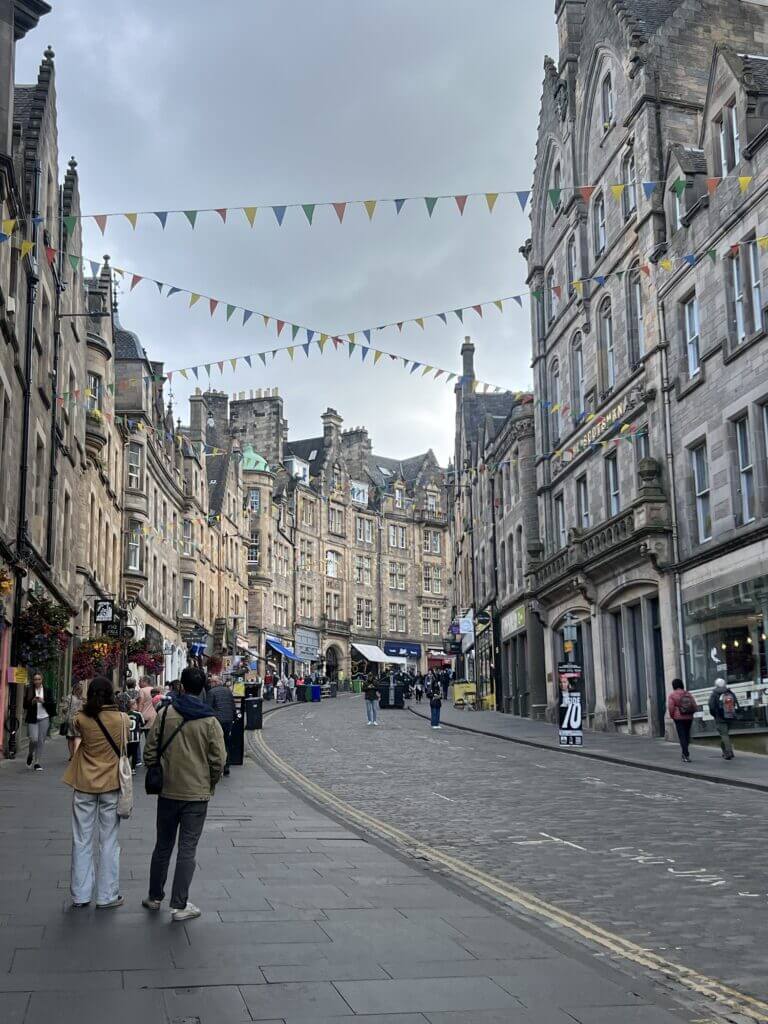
(485, 665)
(521, 673)
(407, 649)
(280, 656)
(306, 644)
(437, 659)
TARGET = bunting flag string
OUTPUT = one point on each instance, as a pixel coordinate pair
(458, 201)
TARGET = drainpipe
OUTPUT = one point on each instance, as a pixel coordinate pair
(21, 525)
(494, 624)
(670, 460)
(50, 534)
(474, 580)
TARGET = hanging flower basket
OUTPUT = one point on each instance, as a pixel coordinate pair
(95, 656)
(146, 657)
(42, 631)
(6, 582)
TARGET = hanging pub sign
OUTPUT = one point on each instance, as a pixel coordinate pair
(570, 710)
(103, 610)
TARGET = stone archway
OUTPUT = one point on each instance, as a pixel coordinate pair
(332, 662)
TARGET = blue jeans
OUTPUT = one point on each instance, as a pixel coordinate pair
(371, 710)
(435, 714)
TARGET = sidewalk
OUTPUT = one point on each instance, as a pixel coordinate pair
(303, 921)
(749, 771)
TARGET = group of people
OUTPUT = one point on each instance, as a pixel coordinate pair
(282, 687)
(723, 707)
(434, 688)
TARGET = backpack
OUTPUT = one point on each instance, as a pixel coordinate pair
(728, 704)
(686, 704)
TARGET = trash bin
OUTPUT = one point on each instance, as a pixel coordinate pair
(334, 689)
(392, 695)
(237, 736)
(301, 692)
(254, 713)
(356, 686)
(317, 692)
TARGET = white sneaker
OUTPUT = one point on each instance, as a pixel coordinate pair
(187, 913)
(374, 723)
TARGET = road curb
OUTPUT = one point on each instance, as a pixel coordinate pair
(609, 758)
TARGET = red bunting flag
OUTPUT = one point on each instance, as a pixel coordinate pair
(645, 269)
(221, 366)
(461, 202)
(101, 221)
(340, 209)
(213, 303)
(223, 214)
(586, 192)
(735, 249)
(280, 326)
(558, 291)
(135, 278)
(712, 184)
(50, 252)
(478, 310)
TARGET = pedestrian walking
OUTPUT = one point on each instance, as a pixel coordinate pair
(290, 684)
(128, 703)
(69, 708)
(222, 701)
(435, 703)
(186, 742)
(39, 709)
(682, 706)
(146, 707)
(418, 689)
(444, 682)
(723, 706)
(101, 732)
(372, 697)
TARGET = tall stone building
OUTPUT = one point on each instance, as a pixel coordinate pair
(349, 552)
(635, 117)
(495, 535)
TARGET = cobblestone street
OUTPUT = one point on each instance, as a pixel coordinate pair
(676, 865)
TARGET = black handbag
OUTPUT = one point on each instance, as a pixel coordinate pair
(153, 779)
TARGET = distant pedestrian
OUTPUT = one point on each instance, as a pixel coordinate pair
(39, 709)
(146, 707)
(290, 688)
(444, 682)
(222, 701)
(418, 689)
(129, 704)
(435, 703)
(101, 732)
(70, 706)
(186, 740)
(372, 697)
(682, 706)
(723, 706)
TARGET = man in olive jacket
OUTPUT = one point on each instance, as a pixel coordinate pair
(193, 758)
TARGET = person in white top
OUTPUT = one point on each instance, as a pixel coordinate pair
(39, 709)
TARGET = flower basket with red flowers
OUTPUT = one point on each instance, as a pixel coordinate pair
(42, 631)
(146, 657)
(95, 656)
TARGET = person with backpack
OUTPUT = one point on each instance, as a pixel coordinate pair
(682, 706)
(435, 703)
(723, 706)
(221, 699)
(185, 756)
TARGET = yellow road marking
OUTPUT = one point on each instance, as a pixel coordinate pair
(753, 1009)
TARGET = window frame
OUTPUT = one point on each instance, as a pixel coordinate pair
(692, 341)
(561, 531)
(582, 501)
(746, 467)
(554, 402)
(629, 180)
(607, 101)
(578, 382)
(701, 491)
(612, 485)
(599, 226)
(635, 313)
(572, 264)
(607, 344)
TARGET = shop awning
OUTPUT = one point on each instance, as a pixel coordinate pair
(275, 644)
(373, 653)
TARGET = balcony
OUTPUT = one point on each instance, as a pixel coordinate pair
(134, 581)
(434, 517)
(95, 433)
(341, 627)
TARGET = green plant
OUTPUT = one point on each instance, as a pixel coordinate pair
(41, 631)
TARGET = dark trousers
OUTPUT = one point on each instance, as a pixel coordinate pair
(684, 735)
(134, 752)
(435, 715)
(226, 728)
(186, 817)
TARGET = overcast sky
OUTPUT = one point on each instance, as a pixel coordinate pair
(185, 104)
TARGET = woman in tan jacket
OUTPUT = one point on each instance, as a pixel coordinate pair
(93, 775)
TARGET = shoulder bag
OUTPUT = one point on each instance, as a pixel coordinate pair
(153, 779)
(124, 774)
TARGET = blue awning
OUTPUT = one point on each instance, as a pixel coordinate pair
(275, 644)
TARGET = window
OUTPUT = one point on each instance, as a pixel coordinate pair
(557, 181)
(332, 604)
(358, 492)
(398, 618)
(430, 621)
(642, 443)
(629, 180)
(94, 400)
(5, 424)
(432, 503)
(554, 402)
(582, 502)
(363, 530)
(606, 95)
(308, 513)
(756, 288)
(737, 298)
(691, 325)
(399, 497)
(134, 466)
(398, 575)
(306, 601)
(550, 296)
(280, 610)
(363, 569)
(729, 140)
(332, 565)
(134, 546)
(335, 519)
(397, 537)
(428, 578)
(519, 557)
(254, 499)
(186, 535)
(306, 555)
(337, 479)
(364, 613)
(577, 376)
(561, 535)
(187, 597)
(39, 477)
(253, 549)
(635, 310)
(572, 264)
(677, 203)
(432, 541)
(612, 495)
(436, 628)
(701, 491)
(598, 226)
(746, 471)
(607, 349)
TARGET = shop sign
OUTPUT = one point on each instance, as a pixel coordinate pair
(404, 649)
(512, 621)
(570, 711)
(103, 610)
(599, 427)
(306, 644)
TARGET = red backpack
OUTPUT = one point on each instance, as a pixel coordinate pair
(686, 703)
(728, 704)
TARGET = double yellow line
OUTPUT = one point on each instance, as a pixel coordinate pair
(726, 997)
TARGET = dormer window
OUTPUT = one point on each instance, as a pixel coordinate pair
(399, 497)
(727, 127)
(337, 477)
(607, 101)
(431, 502)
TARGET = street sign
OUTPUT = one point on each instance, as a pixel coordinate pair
(570, 710)
(483, 618)
(113, 629)
(103, 610)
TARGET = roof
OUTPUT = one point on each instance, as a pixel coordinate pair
(127, 344)
(756, 66)
(304, 449)
(406, 470)
(690, 159)
(23, 97)
(216, 468)
(650, 15)
(476, 408)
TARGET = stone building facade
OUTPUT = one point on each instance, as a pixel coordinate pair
(494, 519)
(624, 151)
(348, 548)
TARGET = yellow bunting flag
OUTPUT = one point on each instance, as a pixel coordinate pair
(250, 213)
(420, 322)
(426, 370)
(131, 218)
(665, 264)
(618, 191)
(265, 318)
(744, 182)
(578, 287)
(183, 374)
(26, 248)
(499, 305)
(234, 362)
(322, 341)
(8, 226)
(352, 337)
(193, 298)
(376, 356)
(290, 351)
(763, 242)
(370, 206)
(490, 198)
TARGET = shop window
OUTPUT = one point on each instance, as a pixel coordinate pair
(725, 635)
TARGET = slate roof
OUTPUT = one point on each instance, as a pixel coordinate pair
(757, 66)
(23, 95)
(303, 449)
(650, 15)
(127, 344)
(216, 467)
(406, 469)
(476, 408)
(691, 159)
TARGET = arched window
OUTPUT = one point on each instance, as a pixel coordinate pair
(554, 402)
(607, 349)
(550, 295)
(557, 183)
(577, 376)
(629, 180)
(635, 316)
(606, 95)
(572, 264)
(598, 225)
